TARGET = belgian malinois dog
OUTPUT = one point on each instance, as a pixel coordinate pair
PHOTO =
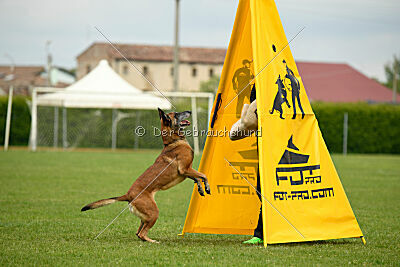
(171, 167)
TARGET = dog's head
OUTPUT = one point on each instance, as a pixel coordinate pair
(174, 123)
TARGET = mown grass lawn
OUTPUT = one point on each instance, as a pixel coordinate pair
(41, 224)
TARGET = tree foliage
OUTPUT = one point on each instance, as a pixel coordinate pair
(390, 69)
(211, 85)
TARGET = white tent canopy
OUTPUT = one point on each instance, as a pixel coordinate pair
(103, 88)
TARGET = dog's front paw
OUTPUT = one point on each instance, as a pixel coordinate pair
(207, 187)
(200, 189)
(201, 192)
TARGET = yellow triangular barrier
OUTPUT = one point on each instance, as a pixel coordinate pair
(302, 196)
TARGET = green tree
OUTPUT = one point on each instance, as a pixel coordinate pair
(390, 69)
(211, 85)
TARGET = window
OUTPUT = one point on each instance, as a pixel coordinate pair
(172, 71)
(88, 68)
(211, 72)
(194, 72)
(125, 70)
(145, 70)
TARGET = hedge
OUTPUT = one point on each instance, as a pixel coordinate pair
(20, 121)
(372, 128)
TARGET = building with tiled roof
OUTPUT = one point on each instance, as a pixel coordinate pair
(196, 64)
(24, 78)
(327, 82)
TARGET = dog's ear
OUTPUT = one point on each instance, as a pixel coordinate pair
(160, 113)
(164, 117)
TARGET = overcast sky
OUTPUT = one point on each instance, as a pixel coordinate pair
(363, 33)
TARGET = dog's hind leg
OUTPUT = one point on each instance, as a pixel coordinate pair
(140, 227)
(146, 227)
(149, 215)
(281, 113)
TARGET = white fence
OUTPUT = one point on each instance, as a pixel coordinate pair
(114, 128)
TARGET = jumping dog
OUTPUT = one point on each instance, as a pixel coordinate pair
(172, 166)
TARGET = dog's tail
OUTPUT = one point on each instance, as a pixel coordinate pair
(104, 202)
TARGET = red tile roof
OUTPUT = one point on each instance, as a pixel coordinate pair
(158, 53)
(26, 75)
(332, 82)
(24, 78)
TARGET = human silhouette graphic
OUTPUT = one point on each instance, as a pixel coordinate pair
(240, 80)
(295, 84)
(280, 98)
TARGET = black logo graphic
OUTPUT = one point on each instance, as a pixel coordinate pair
(290, 157)
(299, 173)
(295, 84)
(248, 168)
(294, 158)
(240, 80)
(280, 98)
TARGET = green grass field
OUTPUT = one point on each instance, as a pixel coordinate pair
(41, 224)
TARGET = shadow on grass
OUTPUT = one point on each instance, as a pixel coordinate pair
(222, 241)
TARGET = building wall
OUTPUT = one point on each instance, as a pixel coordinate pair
(160, 73)
(89, 59)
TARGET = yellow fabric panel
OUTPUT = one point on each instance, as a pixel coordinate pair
(232, 207)
(307, 200)
(304, 198)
